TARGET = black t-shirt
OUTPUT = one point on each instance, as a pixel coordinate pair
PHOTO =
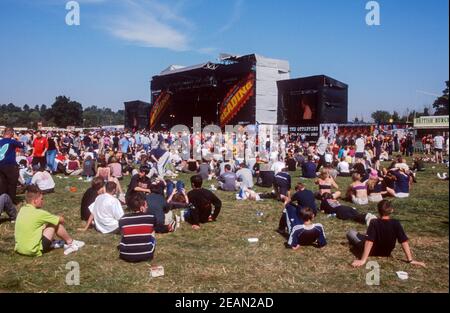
(51, 144)
(266, 178)
(292, 164)
(283, 182)
(137, 181)
(384, 234)
(192, 166)
(87, 140)
(115, 141)
(202, 200)
(88, 198)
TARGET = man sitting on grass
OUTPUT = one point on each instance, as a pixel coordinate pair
(307, 234)
(202, 201)
(43, 179)
(158, 207)
(36, 228)
(106, 211)
(7, 206)
(228, 180)
(381, 237)
(138, 237)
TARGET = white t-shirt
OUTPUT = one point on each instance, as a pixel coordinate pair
(343, 167)
(278, 166)
(328, 158)
(439, 142)
(360, 144)
(43, 180)
(107, 212)
(322, 145)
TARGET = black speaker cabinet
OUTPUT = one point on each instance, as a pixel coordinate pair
(312, 100)
(137, 115)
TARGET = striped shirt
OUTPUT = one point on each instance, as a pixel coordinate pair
(307, 235)
(138, 237)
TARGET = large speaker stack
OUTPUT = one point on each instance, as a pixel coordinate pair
(312, 100)
(137, 115)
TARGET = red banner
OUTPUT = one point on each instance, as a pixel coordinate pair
(161, 104)
(236, 99)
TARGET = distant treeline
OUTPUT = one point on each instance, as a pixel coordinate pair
(62, 113)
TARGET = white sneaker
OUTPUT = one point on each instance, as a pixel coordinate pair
(73, 247)
(68, 249)
(78, 243)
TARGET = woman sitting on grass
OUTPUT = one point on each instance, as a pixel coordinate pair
(376, 187)
(326, 184)
(115, 168)
(73, 167)
(357, 191)
(104, 172)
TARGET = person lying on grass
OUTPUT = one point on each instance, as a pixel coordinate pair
(306, 233)
(381, 237)
(35, 228)
(137, 229)
(329, 205)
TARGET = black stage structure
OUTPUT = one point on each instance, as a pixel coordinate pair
(316, 99)
(240, 90)
(137, 115)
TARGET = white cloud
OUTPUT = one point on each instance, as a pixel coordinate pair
(150, 24)
(147, 31)
(235, 16)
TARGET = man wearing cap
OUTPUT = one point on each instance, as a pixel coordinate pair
(9, 170)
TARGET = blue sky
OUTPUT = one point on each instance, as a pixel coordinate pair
(120, 44)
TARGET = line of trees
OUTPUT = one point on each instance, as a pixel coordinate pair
(63, 112)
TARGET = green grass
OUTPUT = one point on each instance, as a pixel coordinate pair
(218, 258)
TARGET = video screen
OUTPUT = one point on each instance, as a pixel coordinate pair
(300, 107)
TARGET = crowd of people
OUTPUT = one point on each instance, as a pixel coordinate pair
(157, 203)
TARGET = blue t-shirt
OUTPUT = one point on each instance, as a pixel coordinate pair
(124, 143)
(306, 235)
(8, 151)
(158, 152)
(402, 183)
(309, 170)
(305, 199)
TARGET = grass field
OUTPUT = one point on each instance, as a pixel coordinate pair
(218, 258)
